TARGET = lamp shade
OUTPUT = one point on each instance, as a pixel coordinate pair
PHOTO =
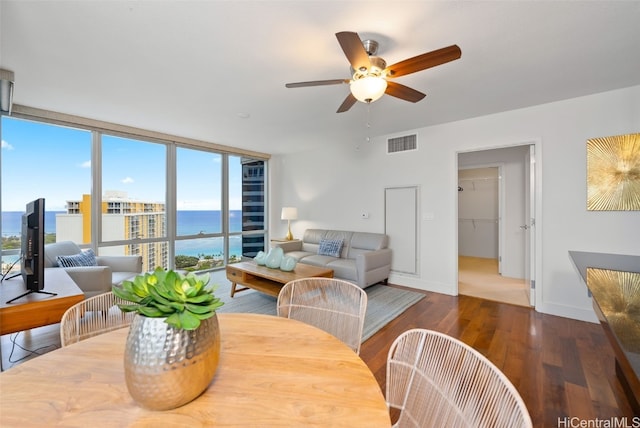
(289, 213)
(368, 89)
(6, 91)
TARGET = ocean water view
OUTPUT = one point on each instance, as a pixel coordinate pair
(12, 222)
(187, 222)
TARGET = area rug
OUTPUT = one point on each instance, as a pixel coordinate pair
(384, 303)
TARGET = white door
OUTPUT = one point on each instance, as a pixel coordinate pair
(401, 214)
(530, 223)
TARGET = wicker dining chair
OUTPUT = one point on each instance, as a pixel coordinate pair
(93, 316)
(436, 380)
(333, 305)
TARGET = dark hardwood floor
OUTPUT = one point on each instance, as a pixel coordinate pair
(562, 368)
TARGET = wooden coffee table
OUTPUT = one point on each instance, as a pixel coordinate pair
(269, 281)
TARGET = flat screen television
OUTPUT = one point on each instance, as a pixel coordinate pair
(32, 245)
(32, 249)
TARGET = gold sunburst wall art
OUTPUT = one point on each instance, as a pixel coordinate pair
(613, 173)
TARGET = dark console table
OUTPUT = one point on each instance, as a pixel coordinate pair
(614, 283)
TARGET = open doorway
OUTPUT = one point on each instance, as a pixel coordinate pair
(493, 236)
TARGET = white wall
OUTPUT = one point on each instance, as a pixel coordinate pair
(331, 187)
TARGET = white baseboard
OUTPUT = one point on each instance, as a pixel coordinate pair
(413, 281)
(549, 308)
(572, 312)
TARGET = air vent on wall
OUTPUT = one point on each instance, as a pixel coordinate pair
(402, 144)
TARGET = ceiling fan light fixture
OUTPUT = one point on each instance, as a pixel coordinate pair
(370, 72)
(368, 89)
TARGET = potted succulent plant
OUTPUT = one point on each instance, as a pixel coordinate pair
(184, 300)
(173, 346)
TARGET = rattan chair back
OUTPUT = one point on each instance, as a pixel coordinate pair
(436, 380)
(333, 305)
(93, 316)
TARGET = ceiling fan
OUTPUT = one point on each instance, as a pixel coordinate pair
(370, 74)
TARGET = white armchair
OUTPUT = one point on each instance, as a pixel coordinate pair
(95, 279)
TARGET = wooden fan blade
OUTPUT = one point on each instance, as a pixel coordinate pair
(347, 103)
(354, 50)
(403, 92)
(424, 61)
(316, 83)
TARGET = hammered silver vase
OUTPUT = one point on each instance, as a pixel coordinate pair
(166, 367)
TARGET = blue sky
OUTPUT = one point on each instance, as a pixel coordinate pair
(54, 162)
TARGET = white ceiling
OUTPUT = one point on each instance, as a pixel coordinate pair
(194, 68)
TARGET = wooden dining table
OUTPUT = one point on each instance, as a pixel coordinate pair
(272, 372)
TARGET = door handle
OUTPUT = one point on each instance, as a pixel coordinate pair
(525, 227)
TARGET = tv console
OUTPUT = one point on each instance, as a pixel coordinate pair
(19, 274)
(31, 310)
(29, 292)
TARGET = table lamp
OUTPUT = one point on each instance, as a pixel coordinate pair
(289, 213)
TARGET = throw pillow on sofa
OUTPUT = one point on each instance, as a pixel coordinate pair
(330, 247)
(84, 258)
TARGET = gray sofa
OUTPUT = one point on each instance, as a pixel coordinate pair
(98, 278)
(364, 258)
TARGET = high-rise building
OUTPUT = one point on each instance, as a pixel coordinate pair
(252, 205)
(123, 219)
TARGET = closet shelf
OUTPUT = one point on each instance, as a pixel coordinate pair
(475, 221)
(479, 179)
(473, 181)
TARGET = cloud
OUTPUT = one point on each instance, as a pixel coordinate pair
(6, 145)
(85, 164)
(127, 180)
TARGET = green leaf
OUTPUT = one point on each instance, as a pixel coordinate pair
(127, 287)
(162, 289)
(192, 291)
(124, 294)
(197, 309)
(150, 311)
(166, 309)
(202, 298)
(151, 279)
(174, 320)
(158, 297)
(177, 306)
(146, 301)
(204, 316)
(189, 321)
(179, 287)
(139, 287)
(170, 277)
(128, 308)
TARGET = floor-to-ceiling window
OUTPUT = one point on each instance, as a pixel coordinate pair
(40, 160)
(133, 202)
(200, 242)
(178, 205)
